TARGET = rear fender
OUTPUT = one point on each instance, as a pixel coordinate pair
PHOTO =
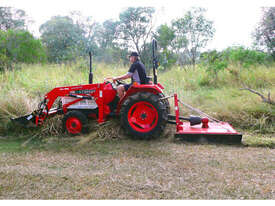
(151, 88)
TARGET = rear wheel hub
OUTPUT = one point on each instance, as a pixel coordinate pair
(143, 116)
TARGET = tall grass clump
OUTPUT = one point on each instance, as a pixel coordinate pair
(14, 103)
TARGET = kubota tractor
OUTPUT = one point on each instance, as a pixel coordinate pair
(143, 110)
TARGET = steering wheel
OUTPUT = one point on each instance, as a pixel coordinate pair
(114, 83)
(120, 82)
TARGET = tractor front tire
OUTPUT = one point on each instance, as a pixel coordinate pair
(143, 115)
(75, 123)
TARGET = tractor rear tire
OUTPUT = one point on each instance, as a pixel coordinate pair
(143, 115)
(75, 123)
(166, 102)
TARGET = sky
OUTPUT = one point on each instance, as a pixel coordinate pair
(234, 20)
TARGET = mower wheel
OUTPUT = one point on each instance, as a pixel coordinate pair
(143, 115)
(75, 123)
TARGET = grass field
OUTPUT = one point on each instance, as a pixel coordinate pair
(104, 164)
(127, 169)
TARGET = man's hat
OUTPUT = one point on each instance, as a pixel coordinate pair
(134, 54)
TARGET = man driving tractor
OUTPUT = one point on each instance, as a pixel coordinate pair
(136, 73)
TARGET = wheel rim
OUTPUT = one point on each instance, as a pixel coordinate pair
(143, 117)
(73, 125)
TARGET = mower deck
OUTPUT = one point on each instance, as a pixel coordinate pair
(216, 132)
(203, 129)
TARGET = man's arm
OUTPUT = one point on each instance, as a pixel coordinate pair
(125, 76)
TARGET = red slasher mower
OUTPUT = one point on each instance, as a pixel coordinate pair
(144, 110)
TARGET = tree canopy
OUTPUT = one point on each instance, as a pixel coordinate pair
(11, 18)
(265, 31)
(20, 47)
(68, 38)
(193, 32)
(135, 27)
(63, 39)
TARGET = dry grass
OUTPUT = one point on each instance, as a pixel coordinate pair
(128, 169)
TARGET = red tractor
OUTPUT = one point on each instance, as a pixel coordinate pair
(143, 110)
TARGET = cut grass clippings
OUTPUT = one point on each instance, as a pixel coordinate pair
(131, 169)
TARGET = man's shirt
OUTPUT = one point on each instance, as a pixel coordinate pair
(137, 72)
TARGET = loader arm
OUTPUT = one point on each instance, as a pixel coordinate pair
(80, 92)
(45, 106)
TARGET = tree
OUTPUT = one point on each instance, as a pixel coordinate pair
(64, 39)
(135, 27)
(108, 33)
(214, 61)
(193, 32)
(11, 18)
(265, 31)
(110, 50)
(165, 36)
(90, 28)
(20, 47)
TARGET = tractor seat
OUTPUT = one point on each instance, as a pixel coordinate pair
(149, 80)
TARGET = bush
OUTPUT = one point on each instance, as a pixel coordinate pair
(167, 59)
(233, 59)
(214, 62)
(20, 47)
(244, 57)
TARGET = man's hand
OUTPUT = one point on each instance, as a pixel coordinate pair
(108, 78)
(115, 79)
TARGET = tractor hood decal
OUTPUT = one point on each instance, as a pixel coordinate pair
(86, 91)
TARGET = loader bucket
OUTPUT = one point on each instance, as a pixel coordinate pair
(220, 132)
(25, 121)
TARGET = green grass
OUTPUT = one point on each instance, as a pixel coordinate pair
(7, 145)
(18, 145)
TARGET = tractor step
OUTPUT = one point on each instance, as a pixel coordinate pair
(214, 132)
